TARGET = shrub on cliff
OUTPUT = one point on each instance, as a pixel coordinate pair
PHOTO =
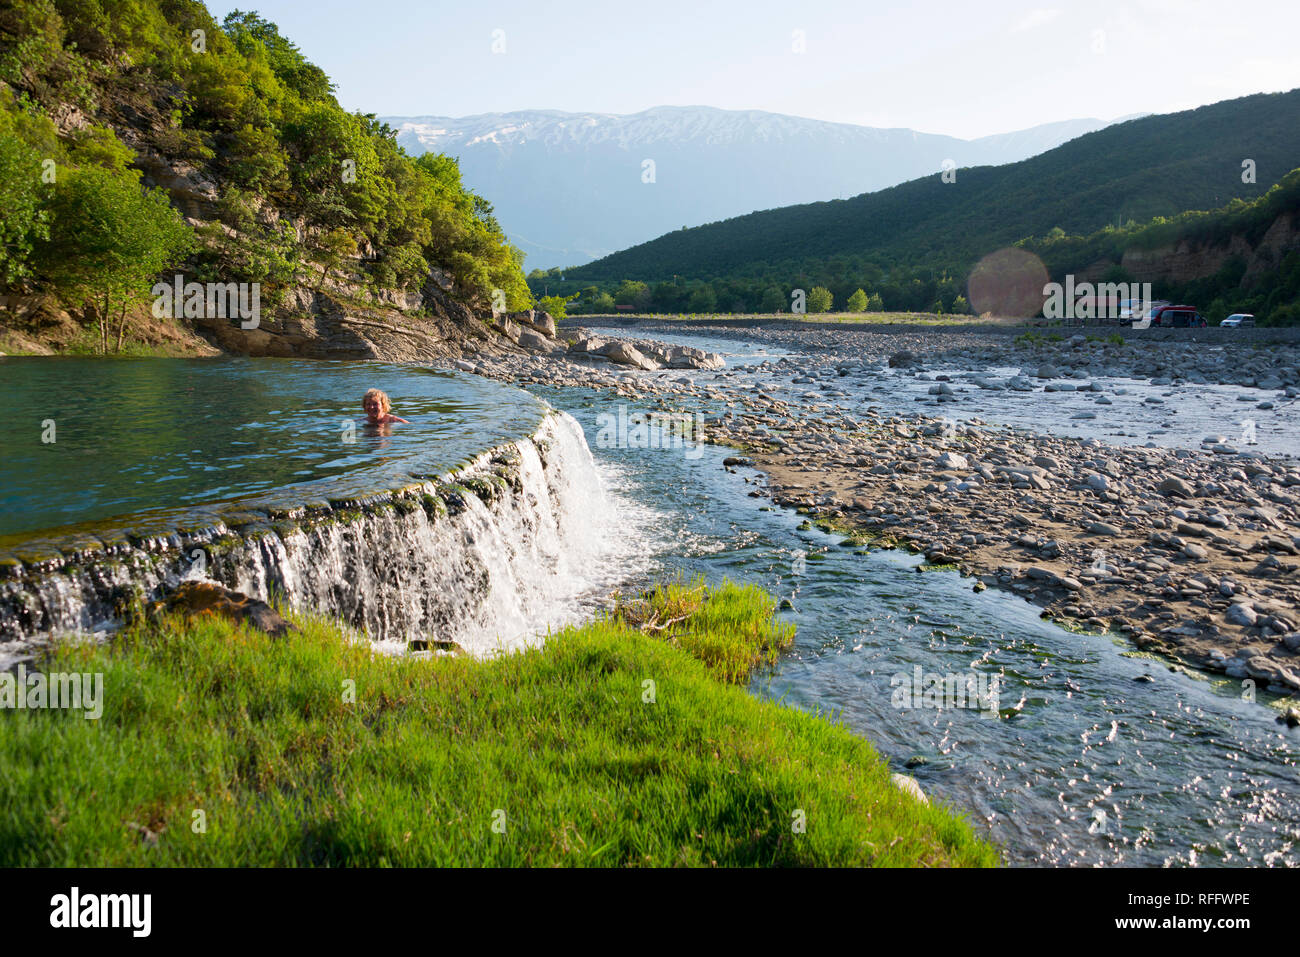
(108, 241)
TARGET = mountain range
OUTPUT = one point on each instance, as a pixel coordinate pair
(572, 187)
(1153, 166)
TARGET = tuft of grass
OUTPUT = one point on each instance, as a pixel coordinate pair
(731, 631)
(611, 745)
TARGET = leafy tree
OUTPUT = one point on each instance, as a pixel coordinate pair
(875, 303)
(289, 65)
(332, 250)
(773, 300)
(632, 293)
(109, 241)
(703, 299)
(858, 301)
(820, 299)
(24, 221)
(557, 306)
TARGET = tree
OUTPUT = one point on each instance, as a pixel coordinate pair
(24, 221)
(820, 299)
(703, 299)
(109, 241)
(773, 300)
(858, 301)
(249, 30)
(631, 292)
(875, 303)
(556, 305)
(333, 249)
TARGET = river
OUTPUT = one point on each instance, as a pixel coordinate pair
(1090, 754)
(1100, 756)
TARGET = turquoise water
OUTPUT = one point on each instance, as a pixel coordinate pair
(138, 436)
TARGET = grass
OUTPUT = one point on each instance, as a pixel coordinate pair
(613, 745)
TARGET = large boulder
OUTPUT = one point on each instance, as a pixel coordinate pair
(509, 329)
(534, 340)
(209, 599)
(684, 357)
(628, 355)
(544, 323)
(909, 787)
(1175, 486)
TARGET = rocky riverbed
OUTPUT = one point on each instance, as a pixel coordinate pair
(1190, 552)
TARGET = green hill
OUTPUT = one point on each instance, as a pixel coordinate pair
(1244, 257)
(141, 136)
(1134, 171)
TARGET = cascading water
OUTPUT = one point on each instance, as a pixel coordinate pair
(490, 557)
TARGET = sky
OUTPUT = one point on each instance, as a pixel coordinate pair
(965, 69)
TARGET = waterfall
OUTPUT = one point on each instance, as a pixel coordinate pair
(491, 557)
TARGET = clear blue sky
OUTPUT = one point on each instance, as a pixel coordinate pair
(961, 68)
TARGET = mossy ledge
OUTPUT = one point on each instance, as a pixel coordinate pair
(629, 741)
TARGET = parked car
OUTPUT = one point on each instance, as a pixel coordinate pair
(1237, 320)
(1145, 310)
(1177, 316)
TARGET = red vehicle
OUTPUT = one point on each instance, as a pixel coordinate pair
(1177, 316)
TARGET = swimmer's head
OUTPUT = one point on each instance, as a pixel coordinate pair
(376, 405)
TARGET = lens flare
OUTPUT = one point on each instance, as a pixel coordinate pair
(1008, 283)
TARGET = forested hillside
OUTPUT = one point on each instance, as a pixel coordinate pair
(1244, 257)
(917, 241)
(258, 174)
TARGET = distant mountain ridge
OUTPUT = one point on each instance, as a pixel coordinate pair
(568, 187)
(1137, 170)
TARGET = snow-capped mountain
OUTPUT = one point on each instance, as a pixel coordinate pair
(572, 187)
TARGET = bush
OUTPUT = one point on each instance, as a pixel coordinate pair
(557, 306)
(109, 241)
(820, 299)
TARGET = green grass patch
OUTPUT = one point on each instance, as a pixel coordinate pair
(630, 741)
